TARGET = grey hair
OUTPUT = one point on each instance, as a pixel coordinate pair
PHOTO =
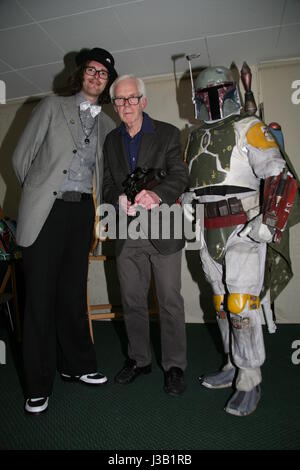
(140, 85)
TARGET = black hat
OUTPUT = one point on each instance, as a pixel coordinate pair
(99, 55)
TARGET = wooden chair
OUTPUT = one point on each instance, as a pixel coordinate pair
(8, 292)
(109, 311)
(100, 311)
(7, 295)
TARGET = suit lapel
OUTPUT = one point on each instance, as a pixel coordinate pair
(102, 132)
(71, 114)
(147, 149)
(120, 153)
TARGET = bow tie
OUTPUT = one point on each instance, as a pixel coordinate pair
(94, 109)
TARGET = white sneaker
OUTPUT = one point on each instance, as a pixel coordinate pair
(36, 406)
(91, 379)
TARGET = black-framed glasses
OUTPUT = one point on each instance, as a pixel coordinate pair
(92, 71)
(134, 100)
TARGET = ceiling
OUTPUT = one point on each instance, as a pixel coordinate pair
(38, 38)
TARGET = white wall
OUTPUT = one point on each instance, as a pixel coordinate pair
(169, 99)
(282, 104)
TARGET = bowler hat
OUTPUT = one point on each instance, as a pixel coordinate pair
(99, 55)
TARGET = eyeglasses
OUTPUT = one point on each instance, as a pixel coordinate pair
(134, 100)
(92, 71)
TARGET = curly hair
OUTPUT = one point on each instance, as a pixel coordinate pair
(76, 79)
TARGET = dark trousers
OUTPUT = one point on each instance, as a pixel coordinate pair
(134, 270)
(56, 333)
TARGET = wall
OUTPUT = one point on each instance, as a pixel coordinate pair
(13, 117)
(169, 99)
(282, 104)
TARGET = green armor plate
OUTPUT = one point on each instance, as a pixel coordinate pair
(208, 145)
(216, 240)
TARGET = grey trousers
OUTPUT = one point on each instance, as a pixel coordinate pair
(134, 271)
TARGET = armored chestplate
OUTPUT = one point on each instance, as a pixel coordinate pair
(216, 156)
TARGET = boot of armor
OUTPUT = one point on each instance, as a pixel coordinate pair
(248, 351)
(224, 329)
(220, 379)
(224, 377)
(243, 403)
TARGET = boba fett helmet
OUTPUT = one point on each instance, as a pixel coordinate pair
(216, 94)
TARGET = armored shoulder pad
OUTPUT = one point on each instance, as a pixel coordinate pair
(260, 137)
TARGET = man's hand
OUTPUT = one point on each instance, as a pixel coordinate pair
(147, 199)
(257, 231)
(186, 204)
(126, 205)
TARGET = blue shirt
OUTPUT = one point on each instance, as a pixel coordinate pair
(133, 144)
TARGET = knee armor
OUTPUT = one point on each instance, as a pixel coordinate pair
(236, 303)
(218, 301)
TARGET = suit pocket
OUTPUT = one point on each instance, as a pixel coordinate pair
(38, 175)
(157, 160)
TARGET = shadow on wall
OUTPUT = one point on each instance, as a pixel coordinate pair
(13, 189)
(60, 82)
(185, 105)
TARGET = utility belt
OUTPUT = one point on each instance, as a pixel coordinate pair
(225, 213)
(74, 196)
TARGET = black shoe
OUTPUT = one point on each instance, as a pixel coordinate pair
(174, 381)
(130, 372)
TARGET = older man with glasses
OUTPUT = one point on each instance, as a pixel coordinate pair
(150, 144)
(56, 159)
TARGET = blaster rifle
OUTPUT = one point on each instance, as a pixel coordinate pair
(142, 178)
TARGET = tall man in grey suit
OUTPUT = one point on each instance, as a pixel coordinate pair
(143, 142)
(56, 159)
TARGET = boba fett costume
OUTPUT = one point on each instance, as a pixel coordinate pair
(228, 156)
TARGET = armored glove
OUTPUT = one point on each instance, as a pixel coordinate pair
(126, 206)
(186, 204)
(257, 231)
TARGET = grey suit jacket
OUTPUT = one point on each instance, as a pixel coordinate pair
(159, 150)
(42, 156)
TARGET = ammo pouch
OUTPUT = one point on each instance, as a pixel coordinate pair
(225, 213)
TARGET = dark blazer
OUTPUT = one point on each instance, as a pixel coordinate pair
(160, 149)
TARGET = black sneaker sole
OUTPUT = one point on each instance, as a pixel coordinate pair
(132, 379)
(174, 394)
